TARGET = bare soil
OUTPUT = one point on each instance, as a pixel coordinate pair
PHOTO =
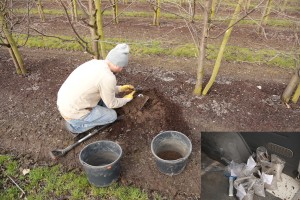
(245, 97)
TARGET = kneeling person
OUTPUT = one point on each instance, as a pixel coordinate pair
(87, 98)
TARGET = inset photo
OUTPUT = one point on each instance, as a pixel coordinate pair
(250, 166)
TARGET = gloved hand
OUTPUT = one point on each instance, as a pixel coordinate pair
(129, 96)
(126, 88)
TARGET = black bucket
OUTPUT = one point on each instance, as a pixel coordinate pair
(171, 150)
(101, 162)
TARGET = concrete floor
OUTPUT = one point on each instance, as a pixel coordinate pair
(214, 185)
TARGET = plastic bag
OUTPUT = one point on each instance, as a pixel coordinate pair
(277, 166)
(262, 154)
(235, 169)
(270, 180)
(250, 167)
(274, 168)
(242, 169)
(249, 195)
(244, 187)
(259, 188)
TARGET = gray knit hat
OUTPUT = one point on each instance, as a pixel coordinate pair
(119, 55)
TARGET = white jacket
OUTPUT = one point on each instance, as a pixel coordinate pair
(85, 87)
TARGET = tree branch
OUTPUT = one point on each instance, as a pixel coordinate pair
(52, 36)
(248, 13)
(28, 22)
(166, 9)
(79, 39)
(120, 13)
(84, 8)
(4, 44)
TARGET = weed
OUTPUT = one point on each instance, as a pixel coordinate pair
(3, 159)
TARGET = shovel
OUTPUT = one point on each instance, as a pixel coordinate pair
(140, 99)
(55, 154)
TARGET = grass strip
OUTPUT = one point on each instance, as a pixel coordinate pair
(218, 19)
(138, 48)
(53, 183)
(59, 12)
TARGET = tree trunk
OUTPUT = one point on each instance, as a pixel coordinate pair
(18, 69)
(265, 15)
(115, 8)
(12, 44)
(222, 48)
(75, 10)
(100, 27)
(193, 11)
(40, 10)
(156, 21)
(202, 48)
(287, 93)
(296, 94)
(93, 30)
(213, 8)
(283, 7)
(247, 5)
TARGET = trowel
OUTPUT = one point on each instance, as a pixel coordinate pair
(141, 99)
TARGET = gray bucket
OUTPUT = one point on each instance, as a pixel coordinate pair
(171, 150)
(101, 162)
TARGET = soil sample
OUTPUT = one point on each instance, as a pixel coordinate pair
(103, 158)
(169, 155)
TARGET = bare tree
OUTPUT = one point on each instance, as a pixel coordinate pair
(99, 23)
(283, 7)
(202, 47)
(247, 4)
(74, 10)
(93, 29)
(287, 93)
(156, 9)
(201, 41)
(95, 24)
(7, 23)
(294, 84)
(40, 9)
(265, 15)
(222, 47)
(115, 11)
(213, 8)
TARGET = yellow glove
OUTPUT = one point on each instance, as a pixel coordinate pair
(129, 96)
(126, 88)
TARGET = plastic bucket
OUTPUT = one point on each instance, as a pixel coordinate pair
(101, 162)
(171, 150)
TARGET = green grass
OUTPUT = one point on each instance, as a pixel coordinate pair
(218, 19)
(140, 48)
(58, 12)
(261, 56)
(270, 22)
(52, 183)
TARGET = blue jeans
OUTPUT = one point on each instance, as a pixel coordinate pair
(98, 116)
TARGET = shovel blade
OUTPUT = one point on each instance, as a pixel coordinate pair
(141, 101)
(55, 154)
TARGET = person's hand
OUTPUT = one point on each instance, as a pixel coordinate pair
(129, 96)
(126, 88)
